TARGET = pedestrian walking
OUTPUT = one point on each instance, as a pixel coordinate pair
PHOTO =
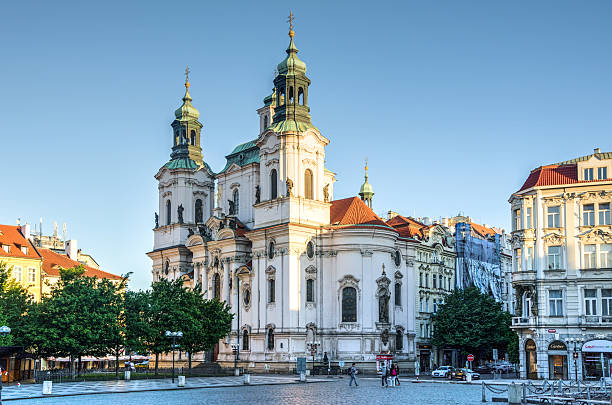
(393, 375)
(383, 373)
(353, 374)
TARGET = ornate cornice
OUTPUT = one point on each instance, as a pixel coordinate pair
(596, 235)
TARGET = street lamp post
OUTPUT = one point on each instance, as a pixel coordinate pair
(313, 350)
(575, 342)
(173, 335)
(235, 353)
(4, 331)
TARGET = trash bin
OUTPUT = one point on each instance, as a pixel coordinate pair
(181, 380)
(47, 387)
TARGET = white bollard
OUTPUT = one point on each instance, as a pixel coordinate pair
(127, 375)
(247, 379)
(47, 387)
(514, 394)
(302, 377)
(468, 377)
(181, 380)
(236, 372)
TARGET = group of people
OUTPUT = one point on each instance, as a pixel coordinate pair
(388, 373)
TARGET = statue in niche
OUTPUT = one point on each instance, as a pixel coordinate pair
(326, 193)
(383, 308)
(219, 196)
(289, 184)
(257, 194)
(180, 210)
(156, 220)
(232, 207)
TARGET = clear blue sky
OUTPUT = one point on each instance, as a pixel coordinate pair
(453, 102)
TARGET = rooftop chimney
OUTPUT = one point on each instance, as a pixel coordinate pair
(597, 150)
(71, 249)
(25, 230)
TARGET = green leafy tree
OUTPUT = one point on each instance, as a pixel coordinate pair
(14, 303)
(208, 321)
(471, 322)
(138, 319)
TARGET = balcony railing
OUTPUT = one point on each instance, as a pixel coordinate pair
(593, 320)
(521, 276)
(523, 321)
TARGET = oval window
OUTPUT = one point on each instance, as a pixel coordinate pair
(247, 297)
(271, 250)
(397, 258)
(310, 250)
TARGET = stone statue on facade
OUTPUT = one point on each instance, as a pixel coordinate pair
(156, 220)
(383, 308)
(257, 194)
(232, 207)
(326, 193)
(179, 211)
(289, 184)
(219, 196)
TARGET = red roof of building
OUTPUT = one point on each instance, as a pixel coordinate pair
(482, 230)
(53, 262)
(11, 236)
(353, 211)
(551, 175)
(407, 227)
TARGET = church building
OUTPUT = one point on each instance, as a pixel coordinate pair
(305, 274)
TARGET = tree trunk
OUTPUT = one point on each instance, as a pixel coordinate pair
(71, 367)
(79, 366)
(117, 365)
(156, 363)
(189, 359)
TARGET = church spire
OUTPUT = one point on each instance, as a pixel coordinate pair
(186, 131)
(291, 112)
(366, 192)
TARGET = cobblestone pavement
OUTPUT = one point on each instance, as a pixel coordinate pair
(332, 392)
(93, 387)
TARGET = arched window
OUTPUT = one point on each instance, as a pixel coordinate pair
(176, 137)
(301, 96)
(349, 304)
(217, 286)
(183, 136)
(398, 294)
(273, 184)
(265, 122)
(399, 340)
(193, 137)
(245, 340)
(310, 290)
(199, 216)
(281, 97)
(236, 199)
(168, 212)
(270, 339)
(308, 184)
(291, 95)
(167, 267)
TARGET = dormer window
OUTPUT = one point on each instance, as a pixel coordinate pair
(6, 248)
(588, 174)
(602, 173)
(24, 250)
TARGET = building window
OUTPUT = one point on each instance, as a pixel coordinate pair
(426, 304)
(589, 257)
(168, 212)
(555, 302)
(31, 275)
(588, 174)
(434, 280)
(606, 302)
(421, 305)
(605, 256)
(518, 254)
(245, 340)
(308, 184)
(530, 259)
(17, 274)
(236, 199)
(246, 298)
(273, 184)
(399, 340)
(435, 306)
(310, 290)
(193, 137)
(604, 214)
(426, 280)
(217, 286)
(588, 215)
(199, 215)
(24, 250)
(426, 330)
(554, 217)
(602, 173)
(590, 302)
(398, 294)
(528, 217)
(265, 122)
(271, 292)
(270, 339)
(271, 247)
(554, 257)
(310, 250)
(420, 279)
(349, 304)
(516, 220)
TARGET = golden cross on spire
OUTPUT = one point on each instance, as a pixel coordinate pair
(290, 21)
(187, 76)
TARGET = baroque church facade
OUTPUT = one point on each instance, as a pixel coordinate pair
(305, 274)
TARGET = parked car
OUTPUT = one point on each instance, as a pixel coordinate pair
(442, 371)
(485, 368)
(142, 365)
(503, 367)
(461, 374)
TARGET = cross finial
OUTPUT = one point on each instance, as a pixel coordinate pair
(187, 76)
(290, 21)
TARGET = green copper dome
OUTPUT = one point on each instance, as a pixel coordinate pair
(187, 111)
(366, 189)
(366, 192)
(291, 63)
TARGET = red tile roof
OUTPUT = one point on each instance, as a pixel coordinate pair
(11, 236)
(482, 230)
(353, 211)
(53, 262)
(407, 227)
(551, 175)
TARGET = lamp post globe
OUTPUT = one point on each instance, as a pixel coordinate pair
(4, 330)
